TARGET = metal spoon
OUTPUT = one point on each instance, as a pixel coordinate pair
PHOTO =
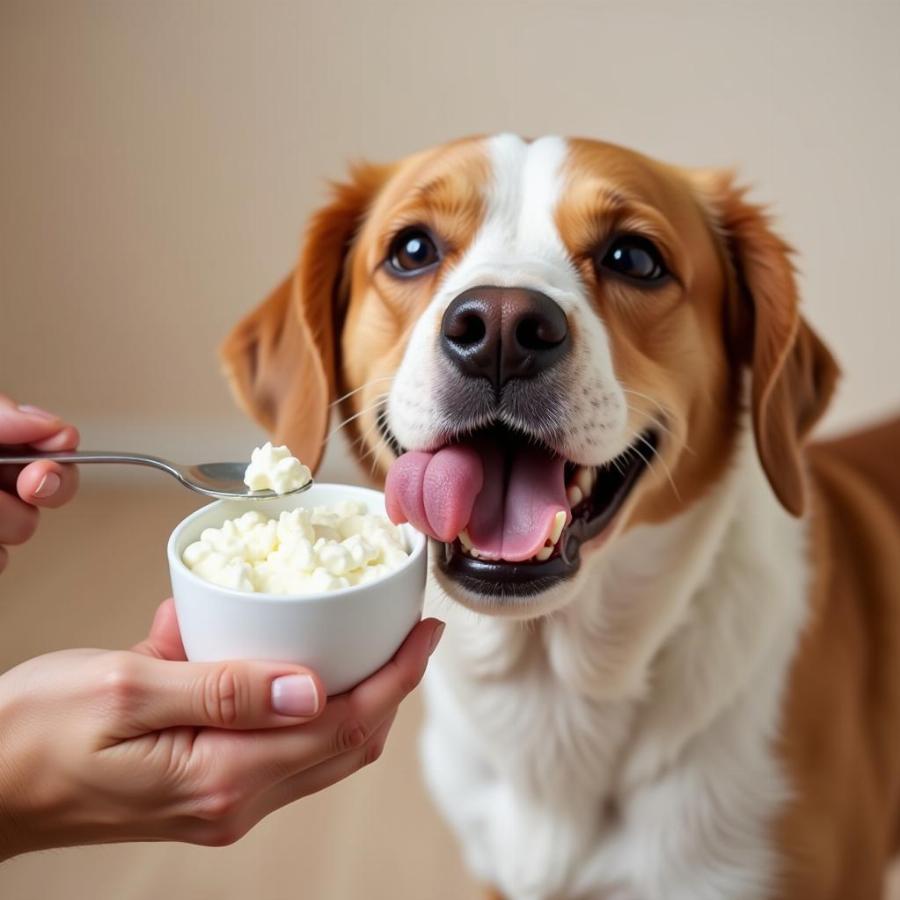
(217, 479)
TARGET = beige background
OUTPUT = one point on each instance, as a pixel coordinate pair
(156, 163)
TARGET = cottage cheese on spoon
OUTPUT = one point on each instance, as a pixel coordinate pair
(274, 469)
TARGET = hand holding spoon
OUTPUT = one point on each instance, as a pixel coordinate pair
(215, 479)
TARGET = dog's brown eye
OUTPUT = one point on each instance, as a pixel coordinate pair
(412, 251)
(634, 257)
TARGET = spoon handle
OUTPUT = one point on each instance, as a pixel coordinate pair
(90, 456)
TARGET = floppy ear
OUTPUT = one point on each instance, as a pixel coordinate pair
(793, 373)
(281, 358)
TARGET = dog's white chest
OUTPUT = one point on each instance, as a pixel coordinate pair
(539, 796)
(524, 788)
(623, 749)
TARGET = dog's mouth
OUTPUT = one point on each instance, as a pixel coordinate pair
(510, 513)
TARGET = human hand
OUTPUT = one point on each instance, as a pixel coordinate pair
(101, 746)
(39, 484)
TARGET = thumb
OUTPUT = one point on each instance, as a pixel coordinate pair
(150, 694)
(164, 640)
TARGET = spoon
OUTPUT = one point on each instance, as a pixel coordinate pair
(216, 479)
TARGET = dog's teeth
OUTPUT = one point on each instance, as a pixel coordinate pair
(585, 477)
(559, 522)
(574, 495)
(467, 545)
(543, 554)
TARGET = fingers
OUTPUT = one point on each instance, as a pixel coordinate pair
(326, 773)
(47, 484)
(381, 693)
(164, 640)
(142, 694)
(234, 778)
(39, 484)
(31, 425)
(66, 438)
(18, 520)
(44, 483)
(223, 808)
(349, 720)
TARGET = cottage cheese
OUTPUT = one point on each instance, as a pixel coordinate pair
(274, 469)
(304, 551)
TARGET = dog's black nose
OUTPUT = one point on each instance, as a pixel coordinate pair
(502, 333)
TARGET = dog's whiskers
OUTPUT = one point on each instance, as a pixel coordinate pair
(372, 406)
(650, 417)
(362, 387)
(379, 444)
(656, 404)
(654, 453)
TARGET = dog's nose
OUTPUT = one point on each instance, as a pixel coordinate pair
(502, 333)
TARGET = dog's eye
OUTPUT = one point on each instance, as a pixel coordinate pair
(412, 251)
(634, 257)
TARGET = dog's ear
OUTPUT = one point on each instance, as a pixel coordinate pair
(281, 359)
(793, 373)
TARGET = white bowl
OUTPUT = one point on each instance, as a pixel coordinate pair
(344, 635)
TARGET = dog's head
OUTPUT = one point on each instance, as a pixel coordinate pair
(538, 344)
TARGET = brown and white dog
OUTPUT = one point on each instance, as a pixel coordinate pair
(672, 670)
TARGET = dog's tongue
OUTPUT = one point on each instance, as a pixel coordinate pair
(507, 500)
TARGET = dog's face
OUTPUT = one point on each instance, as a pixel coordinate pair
(541, 344)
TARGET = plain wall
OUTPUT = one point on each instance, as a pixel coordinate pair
(158, 160)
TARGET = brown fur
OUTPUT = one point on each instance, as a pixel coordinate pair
(793, 374)
(841, 734)
(653, 333)
(280, 359)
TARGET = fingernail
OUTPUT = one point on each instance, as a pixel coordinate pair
(295, 695)
(48, 487)
(36, 411)
(435, 637)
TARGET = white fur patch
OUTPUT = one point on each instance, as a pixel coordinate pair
(518, 244)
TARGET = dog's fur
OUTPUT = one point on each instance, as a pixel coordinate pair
(709, 708)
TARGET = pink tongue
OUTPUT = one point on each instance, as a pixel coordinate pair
(507, 504)
(434, 492)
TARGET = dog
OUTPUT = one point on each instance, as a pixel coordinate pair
(672, 670)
